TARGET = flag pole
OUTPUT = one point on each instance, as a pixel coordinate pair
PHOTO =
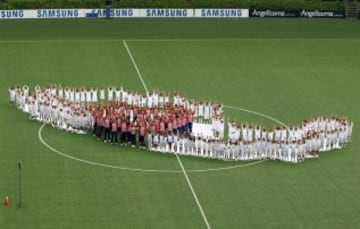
(20, 204)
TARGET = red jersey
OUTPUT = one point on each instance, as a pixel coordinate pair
(157, 125)
(170, 126)
(107, 123)
(142, 130)
(98, 121)
(183, 121)
(132, 129)
(114, 126)
(174, 124)
(178, 122)
(123, 126)
(147, 112)
(162, 126)
(153, 128)
(190, 117)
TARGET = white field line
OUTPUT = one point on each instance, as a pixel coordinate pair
(177, 157)
(193, 193)
(136, 67)
(136, 169)
(259, 114)
(96, 163)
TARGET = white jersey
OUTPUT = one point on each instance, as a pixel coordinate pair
(94, 95)
(143, 101)
(72, 95)
(83, 96)
(61, 93)
(12, 94)
(124, 96)
(155, 99)
(110, 94)
(117, 95)
(88, 96)
(200, 110)
(77, 96)
(207, 111)
(102, 94)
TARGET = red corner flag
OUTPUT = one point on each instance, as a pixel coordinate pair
(6, 201)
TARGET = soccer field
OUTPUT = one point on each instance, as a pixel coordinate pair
(287, 70)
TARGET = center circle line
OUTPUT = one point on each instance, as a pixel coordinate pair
(162, 170)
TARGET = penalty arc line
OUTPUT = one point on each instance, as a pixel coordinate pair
(177, 157)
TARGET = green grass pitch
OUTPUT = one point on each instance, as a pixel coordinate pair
(290, 69)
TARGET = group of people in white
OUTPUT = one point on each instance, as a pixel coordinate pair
(46, 105)
(204, 111)
(255, 143)
(73, 108)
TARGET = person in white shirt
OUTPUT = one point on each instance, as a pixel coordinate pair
(149, 100)
(88, 96)
(72, 95)
(12, 92)
(102, 94)
(143, 101)
(200, 113)
(155, 98)
(161, 100)
(110, 92)
(250, 133)
(257, 133)
(60, 92)
(94, 95)
(82, 95)
(77, 95)
(117, 94)
(26, 90)
(166, 99)
(207, 110)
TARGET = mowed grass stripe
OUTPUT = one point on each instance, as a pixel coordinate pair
(289, 79)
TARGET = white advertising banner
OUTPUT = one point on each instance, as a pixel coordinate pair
(123, 13)
(222, 13)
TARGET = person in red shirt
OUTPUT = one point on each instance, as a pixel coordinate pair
(183, 124)
(124, 132)
(174, 126)
(118, 126)
(106, 129)
(132, 130)
(113, 131)
(170, 126)
(179, 125)
(162, 126)
(142, 133)
(190, 118)
(99, 126)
